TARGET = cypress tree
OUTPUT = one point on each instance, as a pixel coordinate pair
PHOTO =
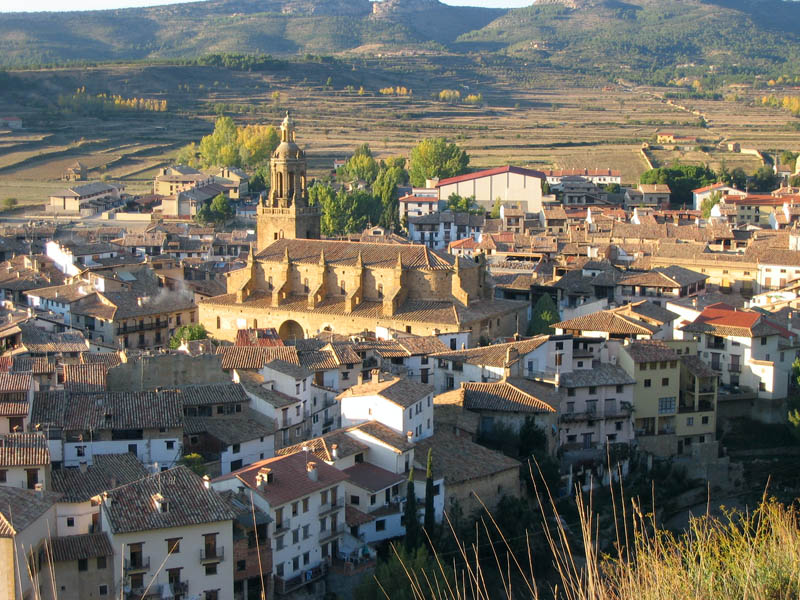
(412, 524)
(430, 520)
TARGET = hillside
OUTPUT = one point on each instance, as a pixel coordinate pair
(646, 40)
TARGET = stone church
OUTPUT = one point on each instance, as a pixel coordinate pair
(302, 285)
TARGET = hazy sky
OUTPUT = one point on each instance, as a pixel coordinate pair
(39, 5)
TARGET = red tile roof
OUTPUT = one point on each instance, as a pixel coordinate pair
(489, 173)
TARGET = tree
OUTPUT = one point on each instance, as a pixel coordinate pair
(612, 188)
(392, 576)
(765, 179)
(435, 157)
(458, 203)
(195, 462)
(221, 208)
(9, 203)
(545, 187)
(788, 157)
(430, 514)
(188, 155)
(385, 189)
(681, 179)
(495, 214)
(188, 333)
(412, 540)
(545, 314)
(794, 180)
(344, 212)
(362, 166)
(709, 203)
(260, 180)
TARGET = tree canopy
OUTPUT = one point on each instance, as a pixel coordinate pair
(435, 157)
(218, 210)
(681, 179)
(188, 333)
(344, 212)
(545, 314)
(231, 146)
(709, 203)
(467, 204)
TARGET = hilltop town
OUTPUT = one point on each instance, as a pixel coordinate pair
(214, 391)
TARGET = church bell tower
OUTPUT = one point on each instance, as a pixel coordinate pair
(285, 213)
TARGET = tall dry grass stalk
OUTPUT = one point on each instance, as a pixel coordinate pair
(740, 556)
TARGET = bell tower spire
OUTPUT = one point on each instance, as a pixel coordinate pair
(285, 213)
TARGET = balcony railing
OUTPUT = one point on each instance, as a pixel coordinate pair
(179, 587)
(715, 344)
(331, 506)
(140, 564)
(283, 526)
(212, 554)
(735, 367)
(703, 406)
(331, 533)
(121, 330)
(286, 585)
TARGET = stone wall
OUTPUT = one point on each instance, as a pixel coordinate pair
(165, 371)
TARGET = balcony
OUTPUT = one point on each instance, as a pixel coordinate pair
(143, 327)
(332, 533)
(715, 343)
(283, 526)
(286, 585)
(332, 506)
(216, 554)
(179, 587)
(734, 367)
(139, 565)
(703, 406)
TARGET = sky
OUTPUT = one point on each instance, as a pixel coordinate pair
(60, 5)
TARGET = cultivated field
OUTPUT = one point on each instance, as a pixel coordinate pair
(549, 126)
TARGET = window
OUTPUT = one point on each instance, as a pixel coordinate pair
(355, 500)
(306, 532)
(372, 499)
(306, 558)
(618, 425)
(571, 392)
(174, 545)
(704, 420)
(241, 565)
(305, 505)
(763, 341)
(3, 475)
(380, 525)
(170, 444)
(70, 521)
(101, 562)
(559, 345)
(80, 450)
(592, 390)
(689, 421)
(345, 375)
(570, 407)
(619, 389)
(83, 564)
(436, 490)
(103, 590)
(295, 536)
(211, 569)
(236, 448)
(647, 383)
(279, 542)
(762, 387)
(665, 381)
(666, 405)
(211, 594)
(643, 367)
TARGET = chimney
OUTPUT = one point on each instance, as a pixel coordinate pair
(409, 436)
(335, 451)
(207, 481)
(263, 477)
(311, 468)
(376, 375)
(112, 482)
(84, 466)
(360, 377)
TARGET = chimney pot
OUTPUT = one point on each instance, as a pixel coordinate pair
(409, 435)
(335, 450)
(206, 481)
(311, 468)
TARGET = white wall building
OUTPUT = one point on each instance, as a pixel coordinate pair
(512, 185)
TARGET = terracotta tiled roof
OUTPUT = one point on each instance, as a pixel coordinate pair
(490, 172)
(254, 384)
(322, 447)
(252, 358)
(212, 393)
(607, 321)
(258, 337)
(457, 459)
(290, 479)
(132, 507)
(723, 320)
(398, 390)
(89, 377)
(23, 449)
(106, 471)
(110, 359)
(21, 508)
(15, 382)
(388, 436)
(347, 253)
(76, 547)
(372, 477)
(38, 341)
(513, 395)
(75, 411)
(697, 366)
(232, 429)
(291, 369)
(649, 351)
(35, 366)
(421, 345)
(494, 355)
(354, 517)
